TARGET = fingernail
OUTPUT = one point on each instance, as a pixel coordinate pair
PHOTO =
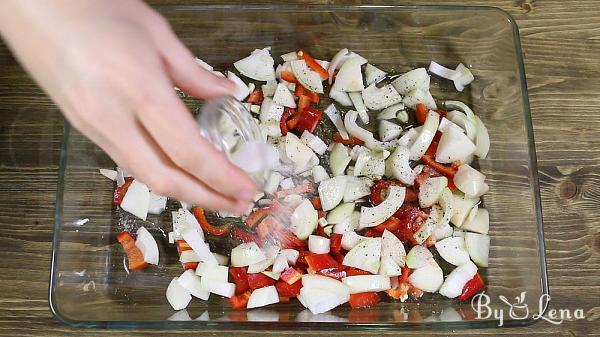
(241, 208)
(227, 86)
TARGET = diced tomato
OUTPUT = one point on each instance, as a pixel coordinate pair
(303, 104)
(316, 202)
(337, 273)
(207, 226)
(288, 290)
(135, 259)
(121, 190)
(421, 114)
(256, 96)
(259, 280)
(335, 242)
(364, 300)
(190, 265)
(351, 271)
(255, 217)
(309, 118)
(472, 287)
(392, 224)
(290, 275)
(244, 236)
(239, 301)
(288, 76)
(350, 141)
(321, 261)
(312, 64)
(239, 276)
(287, 114)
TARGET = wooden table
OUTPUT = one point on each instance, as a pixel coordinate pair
(561, 42)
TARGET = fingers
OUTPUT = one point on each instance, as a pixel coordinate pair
(136, 151)
(185, 72)
(172, 126)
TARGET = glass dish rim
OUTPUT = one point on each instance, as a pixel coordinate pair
(321, 325)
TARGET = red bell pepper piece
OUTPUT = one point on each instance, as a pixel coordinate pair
(472, 287)
(207, 226)
(442, 113)
(316, 202)
(437, 136)
(259, 280)
(335, 242)
(300, 91)
(255, 217)
(364, 300)
(318, 262)
(288, 290)
(303, 104)
(312, 64)
(405, 273)
(432, 149)
(339, 257)
(121, 190)
(256, 96)
(372, 233)
(182, 246)
(135, 259)
(304, 187)
(421, 114)
(189, 265)
(351, 271)
(337, 273)
(239, 276)
(268, 225)
(445, 170)
(408, 227)
(287, 113)
(350, 141)
(309, 119)
(244, 236)
(290, 275)
(288, 76)
(240, 301)
(392, 224)
(287, 239)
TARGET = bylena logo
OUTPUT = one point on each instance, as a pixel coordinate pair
(519, 310)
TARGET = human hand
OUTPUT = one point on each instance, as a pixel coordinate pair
(111, 68)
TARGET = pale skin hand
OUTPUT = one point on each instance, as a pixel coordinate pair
(111, 67)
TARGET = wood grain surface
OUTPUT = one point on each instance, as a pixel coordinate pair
(561, 43)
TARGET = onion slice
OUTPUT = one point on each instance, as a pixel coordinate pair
(337, 121)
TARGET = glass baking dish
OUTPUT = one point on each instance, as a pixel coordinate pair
(89, 286)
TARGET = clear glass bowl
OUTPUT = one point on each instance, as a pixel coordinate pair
(89, 286)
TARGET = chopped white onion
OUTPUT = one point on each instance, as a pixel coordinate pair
(136, 199)
(365, 255)
(314, 142)
(318, 244)
(110, 174)
(310, 79)
(341, 97)
(349, 78)
(263, 296)
(380, 98)
(242, 90)
(339, 59)
(177, 295)
(337, 121)
(246, 254)
(373, 74)
(191, 282)
(147, 245)
(367, 283)
(373, 216)
(258, 66)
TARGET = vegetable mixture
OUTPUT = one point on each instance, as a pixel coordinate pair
(353, 217)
